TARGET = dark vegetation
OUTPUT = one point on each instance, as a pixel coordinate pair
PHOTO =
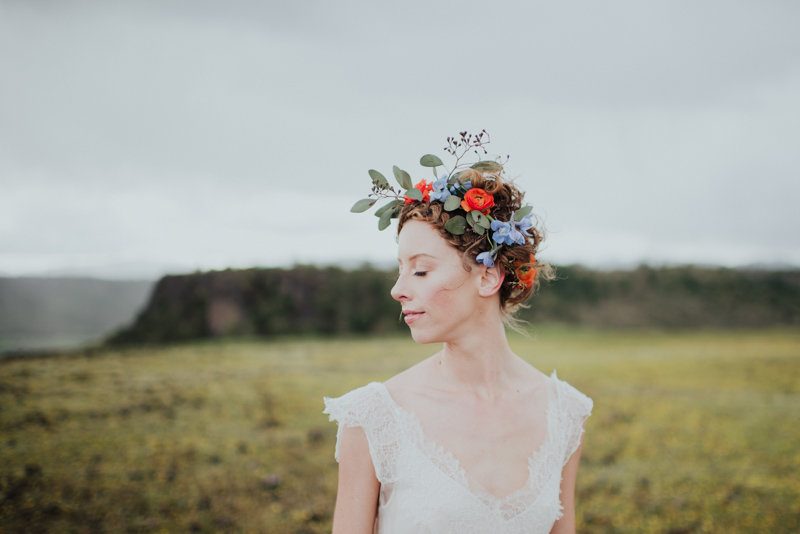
(266, 302)
(325, 301)
(675, 297)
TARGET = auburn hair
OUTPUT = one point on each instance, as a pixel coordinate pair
(507, 199)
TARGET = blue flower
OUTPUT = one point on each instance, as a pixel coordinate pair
(505, 233)
(440, 191)
(487, 258)
(460, 187)
(525, 224)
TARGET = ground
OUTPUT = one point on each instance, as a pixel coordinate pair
(691, 432)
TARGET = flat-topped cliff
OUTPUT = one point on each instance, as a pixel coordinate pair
(330, 300)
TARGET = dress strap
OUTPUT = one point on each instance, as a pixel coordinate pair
(573, 408)
(368, 408)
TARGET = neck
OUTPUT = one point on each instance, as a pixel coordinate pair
(479, 359)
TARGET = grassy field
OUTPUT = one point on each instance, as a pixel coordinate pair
(691, 432)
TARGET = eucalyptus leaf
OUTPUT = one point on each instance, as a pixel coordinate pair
(480, 230)
(390, 206)
(385, 220)
(522, 212)
(397, 210)
(452, 203)
(487, 166)
(414, 194)
(457, 225)
(429, 160)
(452, 179)
(482, 221)
(378, 178)
(471, 218)
(402, 178)
(362, 205)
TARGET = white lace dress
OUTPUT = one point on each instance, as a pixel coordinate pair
(423, 488)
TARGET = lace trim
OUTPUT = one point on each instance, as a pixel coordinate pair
(575, 408)
(539, 462)
(397, 444)
(364, 407)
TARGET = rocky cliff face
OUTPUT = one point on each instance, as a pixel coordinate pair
(304, 300)
(266, 302)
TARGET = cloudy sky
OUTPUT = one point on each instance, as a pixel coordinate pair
(138, 138)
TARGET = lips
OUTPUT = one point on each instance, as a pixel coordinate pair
(411, 315)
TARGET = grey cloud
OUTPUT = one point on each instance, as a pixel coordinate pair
(670, 118)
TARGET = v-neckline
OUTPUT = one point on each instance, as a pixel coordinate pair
(457, 473)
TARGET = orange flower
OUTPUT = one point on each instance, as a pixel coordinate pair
(525, 274)
(477, 199)
(426, 189)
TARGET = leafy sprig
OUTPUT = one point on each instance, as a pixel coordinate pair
(468, 142)
(382, 190)
(458, 147)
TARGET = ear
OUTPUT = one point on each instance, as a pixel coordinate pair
(491, 280)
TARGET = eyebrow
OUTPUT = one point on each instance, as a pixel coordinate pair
(415, 256)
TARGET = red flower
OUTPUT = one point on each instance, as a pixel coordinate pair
(525, 274)
(477, 199)
(426, 189)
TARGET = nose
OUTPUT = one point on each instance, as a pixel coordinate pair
(400, 291)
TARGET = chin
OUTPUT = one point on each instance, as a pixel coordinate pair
(423, 338)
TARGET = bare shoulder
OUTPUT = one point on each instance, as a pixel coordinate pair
(529, 375)
(420, 381)
(410, 382)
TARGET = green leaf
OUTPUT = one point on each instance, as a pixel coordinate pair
(457, 225)
(522, 212)
(452, 179)
(429, 160)
(385, 220)
(483, 221)
(397, 210)
(452, 203)
(402, 178)
(435, 174)
(487, 166)
(390, 206)
(471, 218)
(363, 205)
(414, 194)
(378, 178)
(479, 229)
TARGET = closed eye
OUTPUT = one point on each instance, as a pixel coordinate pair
(420, 273)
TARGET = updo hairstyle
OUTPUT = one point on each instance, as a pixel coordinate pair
(507, 199)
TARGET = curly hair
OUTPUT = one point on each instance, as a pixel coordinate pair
(507, 199)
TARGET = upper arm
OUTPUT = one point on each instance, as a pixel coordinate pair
(566, 525)
(357, 495)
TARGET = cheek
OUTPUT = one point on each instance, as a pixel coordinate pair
(450, 301)
(442, 300)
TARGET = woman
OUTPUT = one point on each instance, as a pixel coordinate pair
(473, 439)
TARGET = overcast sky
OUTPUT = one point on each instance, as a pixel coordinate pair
(139, 138)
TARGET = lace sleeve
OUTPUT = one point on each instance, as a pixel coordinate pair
(366, 407)
(575, 409)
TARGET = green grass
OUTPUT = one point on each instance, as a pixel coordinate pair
(691, 432)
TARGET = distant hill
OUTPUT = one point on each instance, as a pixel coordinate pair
(311, 300)
(670, 297)
(42, 313)
(266, 302)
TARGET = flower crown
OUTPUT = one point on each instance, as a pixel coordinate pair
(505, 228)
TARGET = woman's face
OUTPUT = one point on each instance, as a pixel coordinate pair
(438, 295)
